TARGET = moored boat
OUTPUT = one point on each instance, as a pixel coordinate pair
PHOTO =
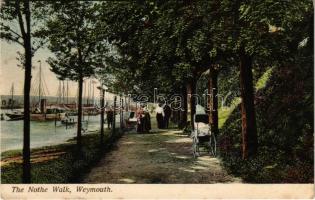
(48, 114)
(68, 121)
(15, 116)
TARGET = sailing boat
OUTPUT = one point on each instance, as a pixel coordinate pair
(14, 114)
(63, 98)
(90, 109)
(11, 103)
(41, 112)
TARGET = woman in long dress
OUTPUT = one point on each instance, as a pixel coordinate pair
(159, 116)
(147, 121)
(140, 120)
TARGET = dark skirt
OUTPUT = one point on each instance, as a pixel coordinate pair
(166, 121)
(159, 118)
(140, 126)
(147, 123)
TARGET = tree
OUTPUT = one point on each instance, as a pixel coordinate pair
(197, 46)
(21, 12)
(257, 32)
(145, 38)
(160, 49)
(102, 105)
(78, 44)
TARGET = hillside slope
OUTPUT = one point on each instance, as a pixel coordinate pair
(284, 110)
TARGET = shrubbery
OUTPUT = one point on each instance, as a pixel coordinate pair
(284, 113)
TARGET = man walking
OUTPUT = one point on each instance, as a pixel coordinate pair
(110, 118)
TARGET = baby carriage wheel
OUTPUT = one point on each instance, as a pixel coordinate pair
(195, 147)
(213, 145)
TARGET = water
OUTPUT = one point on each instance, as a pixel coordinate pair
(51, 99)
(43, 133)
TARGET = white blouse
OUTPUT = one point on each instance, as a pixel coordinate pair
(159, 110)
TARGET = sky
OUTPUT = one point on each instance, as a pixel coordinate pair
(11, 73)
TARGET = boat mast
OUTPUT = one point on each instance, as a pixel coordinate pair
(76, 98)
(67, 91)
(40, 81)
(59, 93)
(63, 91)
(88, 91)
(93, 100)
(12, 93)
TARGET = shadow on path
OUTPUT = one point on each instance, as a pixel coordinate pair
(158, 157)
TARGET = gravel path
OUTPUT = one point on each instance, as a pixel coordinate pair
(159, 157)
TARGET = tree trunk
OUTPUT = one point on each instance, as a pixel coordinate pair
(120, 113)
(178, 118)
(27, 86)
(114, 116)
(192, 102)
(79, 112)
(209, 99)
(213, 91)
(102, 114)
(188, 92)
(249, 132)
(183, 112)
(311, 33)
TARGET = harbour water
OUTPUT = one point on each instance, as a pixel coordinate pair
(44, 133)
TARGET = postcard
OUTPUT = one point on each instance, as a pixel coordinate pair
(152, 99)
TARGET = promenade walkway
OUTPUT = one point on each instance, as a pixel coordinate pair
(163, 156)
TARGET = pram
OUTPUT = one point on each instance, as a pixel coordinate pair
(131, 121)
(203, 138)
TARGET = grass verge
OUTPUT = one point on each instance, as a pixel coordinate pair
(59, 163)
